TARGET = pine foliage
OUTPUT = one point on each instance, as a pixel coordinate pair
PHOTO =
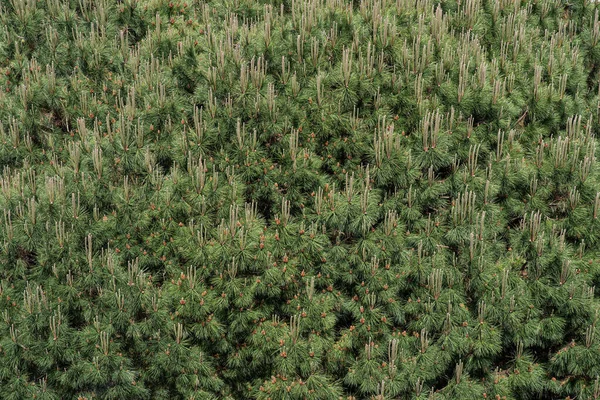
(307, 199)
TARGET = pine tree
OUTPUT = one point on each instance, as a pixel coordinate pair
(299, 200)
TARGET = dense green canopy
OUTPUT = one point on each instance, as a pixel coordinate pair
(305, 199)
